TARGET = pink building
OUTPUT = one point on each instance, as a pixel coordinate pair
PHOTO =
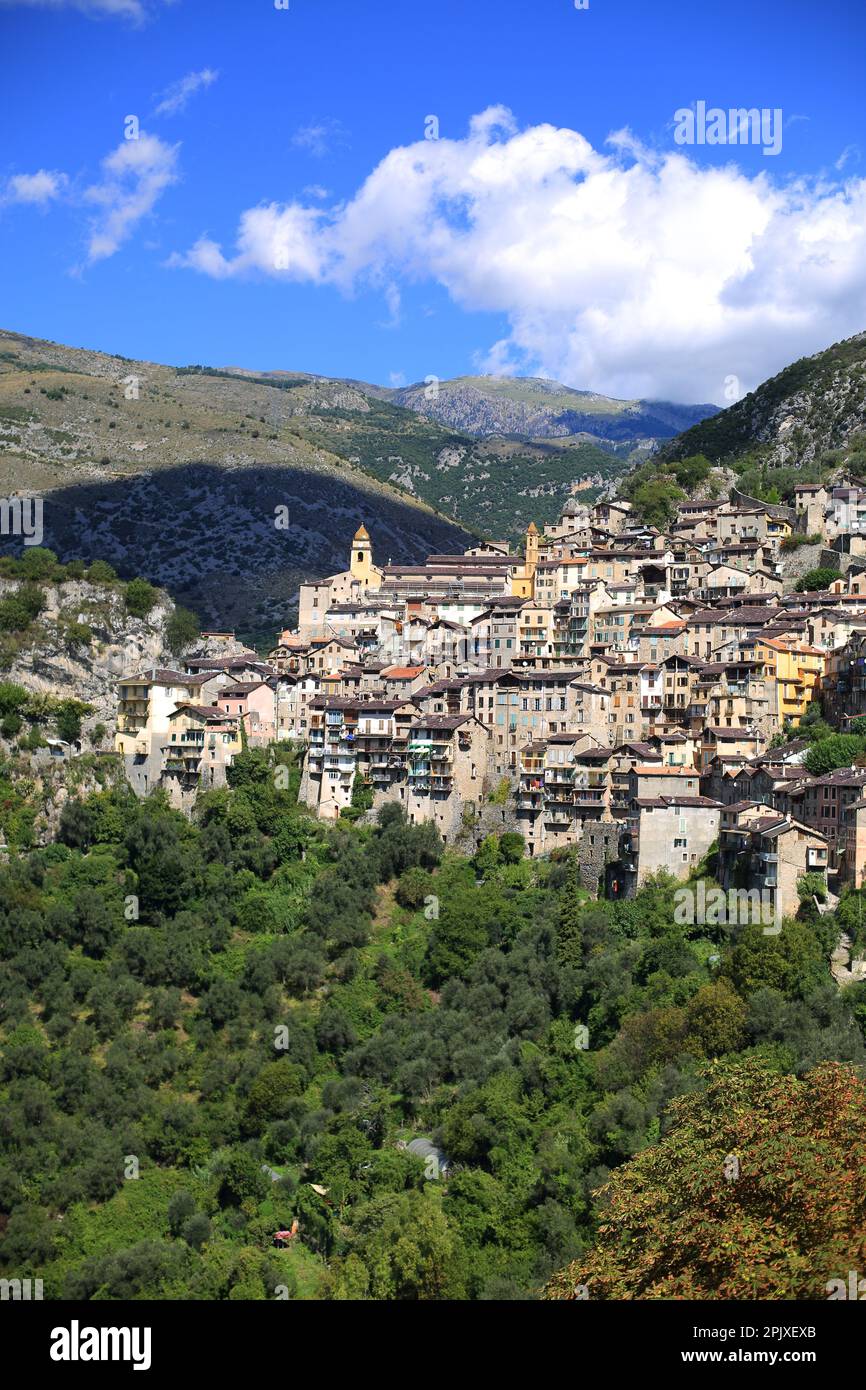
(253, 702)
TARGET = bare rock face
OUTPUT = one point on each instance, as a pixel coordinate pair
(82, 643)
(816, 405)
(844, 967)
(538, 408)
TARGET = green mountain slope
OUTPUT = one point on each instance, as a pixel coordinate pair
(816, 404)
(539, 408)
(806, 424)
(177, 473)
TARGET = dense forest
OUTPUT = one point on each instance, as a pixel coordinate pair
(216, 1030)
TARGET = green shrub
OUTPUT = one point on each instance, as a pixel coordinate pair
(140, 598)
(837, 750)
(101, 572)
(182, 630)
(511, 847)
(817, 579)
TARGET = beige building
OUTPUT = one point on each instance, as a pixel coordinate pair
(447, 770)
(768, 852)
(673, 831)
(362, 578)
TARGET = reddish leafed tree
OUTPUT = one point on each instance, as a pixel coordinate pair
(755, 1192)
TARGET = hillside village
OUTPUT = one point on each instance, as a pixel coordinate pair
(623, 692)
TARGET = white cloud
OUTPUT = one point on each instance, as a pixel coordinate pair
(394, 302)
(39, 188)
(126, 9)
(134, 176)
(628, 272)
(176, 97)
(319, 137)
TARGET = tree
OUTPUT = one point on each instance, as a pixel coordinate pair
(18, 611)
(196, 1231)
(180, 1209)
(362, 794)
(754, 1193)
(487, 857)
(511, 847)
(691, 471)
(100, 572)
(812, 886)
(13, 698)
(816, 580)
(38, 562)
(241, 1179)
(655, 502)
(68, 721)
(569, 926)
(181, 630)
(837, 750)
(406, 1248)
(140, 598)
(413, 886)
(161, 852)
(793, 961)
(272, 1092)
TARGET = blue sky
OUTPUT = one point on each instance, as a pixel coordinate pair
(282, 209)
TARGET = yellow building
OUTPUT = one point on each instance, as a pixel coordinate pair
(523, 576)
(361, 565)
(798, 669)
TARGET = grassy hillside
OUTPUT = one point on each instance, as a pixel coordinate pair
(226, 490)
(179, 474)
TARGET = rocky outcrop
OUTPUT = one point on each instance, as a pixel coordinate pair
(818, 404)
(845, 969)
(59, 660)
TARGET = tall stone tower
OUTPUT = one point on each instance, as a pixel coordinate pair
(523, 576)
(361, 561)
(531, 552)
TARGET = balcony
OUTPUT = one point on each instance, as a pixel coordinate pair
(339, 762)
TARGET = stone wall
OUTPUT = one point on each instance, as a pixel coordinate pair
(598, 846)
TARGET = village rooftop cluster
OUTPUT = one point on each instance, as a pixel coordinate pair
(612, 689)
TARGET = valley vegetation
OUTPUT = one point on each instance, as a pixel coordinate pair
(213, 1029)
